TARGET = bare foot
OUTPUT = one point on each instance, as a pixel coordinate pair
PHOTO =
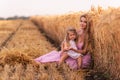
(38, 63)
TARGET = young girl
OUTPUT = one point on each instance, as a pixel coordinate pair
(68, 44)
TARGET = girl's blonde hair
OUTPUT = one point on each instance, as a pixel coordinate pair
(70, 29)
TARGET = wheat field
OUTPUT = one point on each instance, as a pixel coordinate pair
(21, 41)
(106, 34)
(22, 45)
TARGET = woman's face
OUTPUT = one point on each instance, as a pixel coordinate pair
(83, 22)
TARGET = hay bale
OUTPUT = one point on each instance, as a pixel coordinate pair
(15, 57)
(107, 44)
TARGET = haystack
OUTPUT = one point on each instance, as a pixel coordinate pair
(107, 44)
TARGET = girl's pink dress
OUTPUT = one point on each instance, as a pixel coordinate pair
(54, 56)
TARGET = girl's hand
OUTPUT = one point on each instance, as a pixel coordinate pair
(70, 48)
(66, 49)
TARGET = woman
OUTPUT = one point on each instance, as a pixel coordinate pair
(83, 45)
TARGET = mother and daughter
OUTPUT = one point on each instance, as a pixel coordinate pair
(76, 47)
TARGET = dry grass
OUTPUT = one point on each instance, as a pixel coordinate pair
(16, 58)
(55, 26)
(106, 35)
(18, 66)
(107, 42)
(29, 40)
(7, 27)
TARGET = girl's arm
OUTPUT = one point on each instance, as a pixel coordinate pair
(64, 46)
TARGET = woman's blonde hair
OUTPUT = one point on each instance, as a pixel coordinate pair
(88, 41)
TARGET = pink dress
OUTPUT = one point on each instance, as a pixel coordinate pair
(54, 56)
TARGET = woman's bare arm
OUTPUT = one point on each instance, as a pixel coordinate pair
(79, 51)
(83, 51)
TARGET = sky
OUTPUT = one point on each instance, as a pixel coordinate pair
(10, 8)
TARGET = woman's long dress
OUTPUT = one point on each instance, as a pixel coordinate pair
(54, 56)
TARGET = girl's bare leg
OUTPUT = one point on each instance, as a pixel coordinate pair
(62, 58)
(79, 60)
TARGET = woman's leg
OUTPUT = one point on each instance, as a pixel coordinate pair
(79, 60)
(63, 57)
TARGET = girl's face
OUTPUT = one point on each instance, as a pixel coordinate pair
(71, 35)
(83, 22)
